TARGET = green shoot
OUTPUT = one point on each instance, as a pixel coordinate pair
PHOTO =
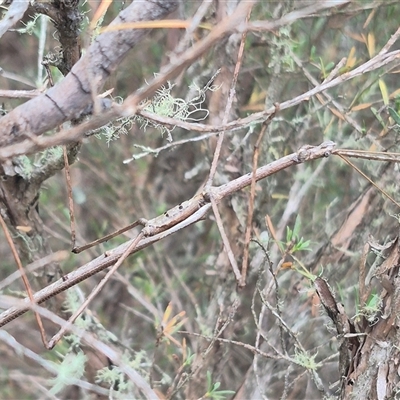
(212, 390)
(301, 269)
(293, 240)
(393, 113)
(378, 117)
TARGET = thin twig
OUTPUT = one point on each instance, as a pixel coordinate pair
(51, 258)
(72, 135)
(50, 366)
(220, 329)
(228, 107)
(246, 346)
(288, 19)
(79, 249)
(250, 210)
(194, 23)
(19, 94)
(102, 348)
(390, 42)
(70, 199)
(225, 240)
(346, 160)
(325, 94)
(368, 155)
(54, 340)
(304, 154)
(24, 277)
(364, 293)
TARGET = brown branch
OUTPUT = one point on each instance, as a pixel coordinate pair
(295, 15)
(71, 95)
(23, 276)
(232, 93)
(55, 339)
(76, 133)
(14, 14)
(101, 348)
(225, 241)
(19, 94)
(68, 98)
(177, 65)
(104, 261)
(67, 19)
(252, 195)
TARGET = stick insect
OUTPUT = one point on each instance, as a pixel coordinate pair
(173, 220)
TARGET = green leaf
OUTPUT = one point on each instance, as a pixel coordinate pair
(296, 229)
(378, 117)
(393, 113)
(384, 91)
(289, 235)
(313, 53)
(209, 381)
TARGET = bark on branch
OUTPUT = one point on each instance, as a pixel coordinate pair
(305, 153)
(69, 97)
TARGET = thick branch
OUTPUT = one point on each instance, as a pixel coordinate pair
(170, 71)
(69, 135)
(70, 96)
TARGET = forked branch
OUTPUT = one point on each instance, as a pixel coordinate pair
(170, 222)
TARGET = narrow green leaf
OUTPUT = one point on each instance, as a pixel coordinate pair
(393, 113)
(378, 117)
(297, 226)
(384, 91)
